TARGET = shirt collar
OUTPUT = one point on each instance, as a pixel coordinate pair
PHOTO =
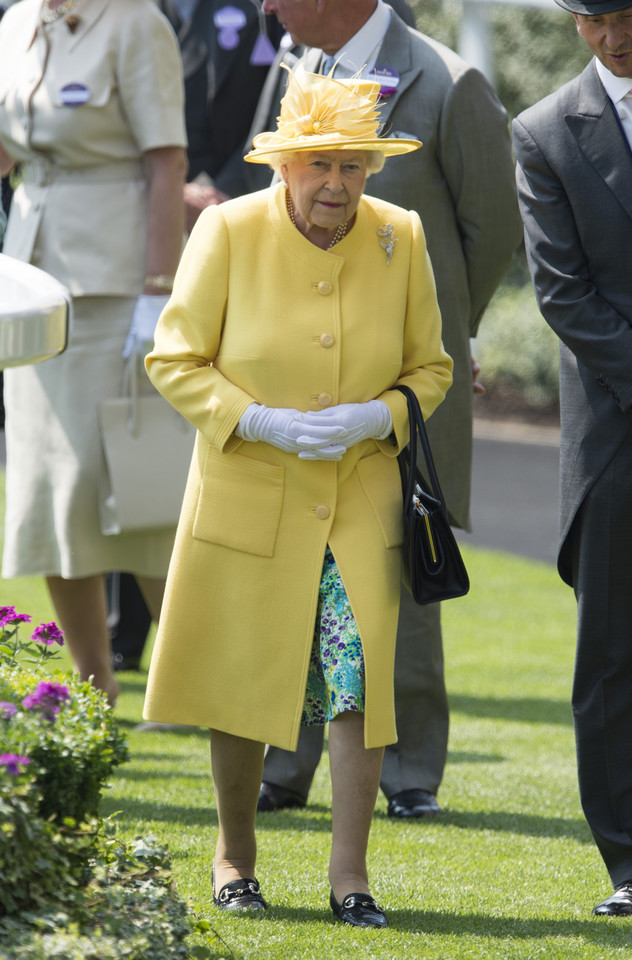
(615, 87)
(360, 52)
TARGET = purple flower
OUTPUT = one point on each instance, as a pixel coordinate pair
(8, 615)
(48, 633)
(7, 710)
(47, 697)
(12, 763)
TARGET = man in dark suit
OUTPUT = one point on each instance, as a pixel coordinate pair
(575, 188)
(462, 185)
(227, 47)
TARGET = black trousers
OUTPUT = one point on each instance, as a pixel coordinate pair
(601, 550)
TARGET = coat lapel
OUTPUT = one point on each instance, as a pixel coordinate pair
(600, 138)
(396, 52)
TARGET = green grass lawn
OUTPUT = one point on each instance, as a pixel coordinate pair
(508, 872)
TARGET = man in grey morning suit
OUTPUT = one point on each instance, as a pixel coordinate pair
(575, 188)
(461, 183)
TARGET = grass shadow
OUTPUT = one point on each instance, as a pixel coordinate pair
(521, 709)
(507, 927)
(506, 822)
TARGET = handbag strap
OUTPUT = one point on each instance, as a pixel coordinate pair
(130, 390)
(417, 429)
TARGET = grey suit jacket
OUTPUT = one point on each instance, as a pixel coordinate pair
(575, 188)
(462, 185)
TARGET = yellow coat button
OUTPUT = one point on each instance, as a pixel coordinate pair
(327, 339)
(322, 511)
(325, 288)
(324, 399)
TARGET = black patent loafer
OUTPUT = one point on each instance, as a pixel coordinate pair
(619, 904)
(410, 804)
(242, 894)
(274, 797)
(359, 910)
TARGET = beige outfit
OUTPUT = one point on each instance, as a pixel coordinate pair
(78, 110)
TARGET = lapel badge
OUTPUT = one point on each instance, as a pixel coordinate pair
(72, 22)
(388, 80)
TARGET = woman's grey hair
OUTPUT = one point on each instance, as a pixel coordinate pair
(374, 160)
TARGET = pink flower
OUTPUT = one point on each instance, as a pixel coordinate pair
(48, 633)
(47, 697)
(12, 763)
(9, 616)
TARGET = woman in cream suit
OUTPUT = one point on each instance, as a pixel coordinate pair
(295, 312)
(91, 109)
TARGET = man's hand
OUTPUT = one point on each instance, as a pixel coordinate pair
(198, 197)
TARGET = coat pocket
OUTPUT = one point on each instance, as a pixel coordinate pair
(379, 479)
(239, 504)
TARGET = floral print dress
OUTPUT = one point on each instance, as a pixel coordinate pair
(335, 679)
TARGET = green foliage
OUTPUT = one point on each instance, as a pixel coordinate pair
(534, 51)
(517, 350)
(68, 888)
(73, 754)
(42, 863)
(128, 911)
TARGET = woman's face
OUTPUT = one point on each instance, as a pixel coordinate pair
(325, 187)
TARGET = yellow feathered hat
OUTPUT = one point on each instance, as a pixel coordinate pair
(320, 113)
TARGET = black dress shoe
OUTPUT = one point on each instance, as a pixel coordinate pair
(358, 909)
(413, 803)
(273, 797)
(619, 904)
(122, 662)
(242, 894)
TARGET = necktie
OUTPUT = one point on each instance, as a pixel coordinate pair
(326, 64)
(185, 9)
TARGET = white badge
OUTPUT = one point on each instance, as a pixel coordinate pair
(74, 94)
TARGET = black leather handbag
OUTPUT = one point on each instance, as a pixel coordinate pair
(433, 568)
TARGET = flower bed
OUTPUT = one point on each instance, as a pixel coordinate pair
(68, 888)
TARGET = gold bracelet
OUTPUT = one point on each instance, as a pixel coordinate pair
(161, 281)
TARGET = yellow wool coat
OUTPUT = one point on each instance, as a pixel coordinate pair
(258, 313)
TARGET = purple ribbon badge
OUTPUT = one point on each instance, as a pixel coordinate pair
(229, 21)
(388, 80)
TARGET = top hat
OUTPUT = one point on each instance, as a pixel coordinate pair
(320, 113)
(592, 8)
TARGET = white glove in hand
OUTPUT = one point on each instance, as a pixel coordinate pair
(358, 421)
(141, 332)
(284, 428)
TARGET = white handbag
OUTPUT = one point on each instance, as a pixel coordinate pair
(147, 447)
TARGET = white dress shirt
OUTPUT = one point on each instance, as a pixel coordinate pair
(360, 52)
(619, 89)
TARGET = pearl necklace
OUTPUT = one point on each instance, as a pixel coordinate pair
(341, 229)
(49, 14)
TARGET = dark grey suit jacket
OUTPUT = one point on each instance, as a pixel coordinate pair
(462, 185)
(575, 188)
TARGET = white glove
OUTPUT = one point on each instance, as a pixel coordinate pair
(357, 421)
(141, 332)
(284, 428)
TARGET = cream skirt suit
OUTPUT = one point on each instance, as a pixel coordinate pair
(78, 108)
(260, 313)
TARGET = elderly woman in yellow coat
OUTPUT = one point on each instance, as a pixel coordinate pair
(294, 314)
